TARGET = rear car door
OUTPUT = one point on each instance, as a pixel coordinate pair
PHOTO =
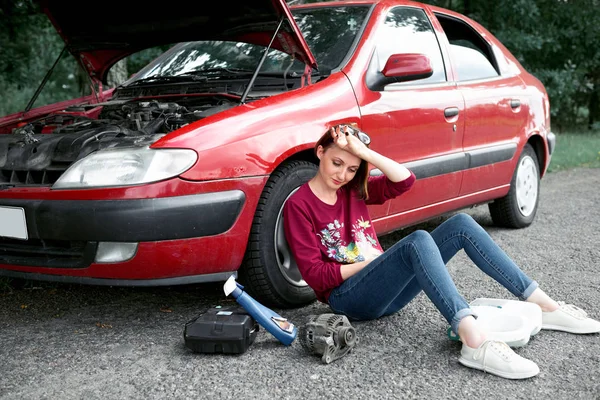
(495, 106)
(419, 123)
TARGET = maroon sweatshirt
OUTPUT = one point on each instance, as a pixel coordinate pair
(322, 236)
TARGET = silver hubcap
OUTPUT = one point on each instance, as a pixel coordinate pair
(285, 260)
(527, 186)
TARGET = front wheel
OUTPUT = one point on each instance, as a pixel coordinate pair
(269, 271)
(518, 208)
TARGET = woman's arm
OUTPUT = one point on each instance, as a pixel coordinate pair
(301, 238)
(348, 270)
(394, 171)
(299, 232)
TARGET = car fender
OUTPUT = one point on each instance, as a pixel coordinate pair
(538, 129)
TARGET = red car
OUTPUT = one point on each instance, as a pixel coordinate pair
(179, 174)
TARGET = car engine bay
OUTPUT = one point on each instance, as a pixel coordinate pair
(38, 152)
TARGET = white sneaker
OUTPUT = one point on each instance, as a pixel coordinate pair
(569, 318)
(498, 358)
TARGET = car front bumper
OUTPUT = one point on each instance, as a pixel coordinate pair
(137, 220)
(198, 237)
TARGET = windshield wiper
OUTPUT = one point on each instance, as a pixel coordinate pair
(201, 75)
(194, 76)
(220, 72)
(291, 74)
(165, 79)
(229, 70)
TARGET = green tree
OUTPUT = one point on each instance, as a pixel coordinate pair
(30, 47)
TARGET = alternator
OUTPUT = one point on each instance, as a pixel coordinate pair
(328, 335)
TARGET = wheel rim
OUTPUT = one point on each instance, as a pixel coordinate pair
(285, 261)
(527, 186)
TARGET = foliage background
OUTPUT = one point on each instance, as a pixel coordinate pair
(30, 46)
(556, 40)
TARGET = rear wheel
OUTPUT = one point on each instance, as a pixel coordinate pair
(518, 208)
(269, 271)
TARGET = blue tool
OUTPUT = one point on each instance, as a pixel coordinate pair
(278, 326)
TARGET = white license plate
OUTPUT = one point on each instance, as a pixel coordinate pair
(12, 223)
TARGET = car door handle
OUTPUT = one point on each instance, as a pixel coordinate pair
(451, 112)
(515, 103)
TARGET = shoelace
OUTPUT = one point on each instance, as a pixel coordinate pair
(499, 347)
(572, 310)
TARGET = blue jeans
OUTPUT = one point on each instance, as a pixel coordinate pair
(418, 262)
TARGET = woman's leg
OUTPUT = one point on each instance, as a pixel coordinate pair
(410, 291)
(462, 232)
(546, 303)
(395, 277)
(389, 280)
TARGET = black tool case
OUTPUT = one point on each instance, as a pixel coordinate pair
(228, 330)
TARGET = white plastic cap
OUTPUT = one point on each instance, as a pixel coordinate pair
(229, 285)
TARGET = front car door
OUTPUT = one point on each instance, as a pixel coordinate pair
(418, 123)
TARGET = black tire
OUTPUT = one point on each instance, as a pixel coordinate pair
(269, 271)
(518, 208)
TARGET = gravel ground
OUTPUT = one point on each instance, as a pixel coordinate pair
(68, 341)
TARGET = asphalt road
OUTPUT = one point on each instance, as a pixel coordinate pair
(72, 342)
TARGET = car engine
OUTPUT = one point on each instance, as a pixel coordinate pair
(40, 151)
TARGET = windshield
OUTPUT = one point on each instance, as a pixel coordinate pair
(329, 32)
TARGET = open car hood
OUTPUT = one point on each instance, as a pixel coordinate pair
(101, 35)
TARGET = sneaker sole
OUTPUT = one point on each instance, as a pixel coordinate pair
(513, 344)
(518, 343)
(570, 330)
(502, 374)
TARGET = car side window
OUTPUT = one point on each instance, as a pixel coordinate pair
(408, 30)
(471, 55)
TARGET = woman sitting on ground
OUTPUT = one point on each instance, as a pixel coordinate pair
(331, 236)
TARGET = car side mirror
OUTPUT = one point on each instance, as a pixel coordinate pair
(400, 68)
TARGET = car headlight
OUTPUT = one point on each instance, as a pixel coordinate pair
(124, 167)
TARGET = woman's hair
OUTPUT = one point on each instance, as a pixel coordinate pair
(359, 182)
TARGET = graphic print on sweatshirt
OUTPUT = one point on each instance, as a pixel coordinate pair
(362, 247)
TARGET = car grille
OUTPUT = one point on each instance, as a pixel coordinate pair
(46, 176)
(47, 253)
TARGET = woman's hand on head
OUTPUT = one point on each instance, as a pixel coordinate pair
(394, 171)
(348, 142)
